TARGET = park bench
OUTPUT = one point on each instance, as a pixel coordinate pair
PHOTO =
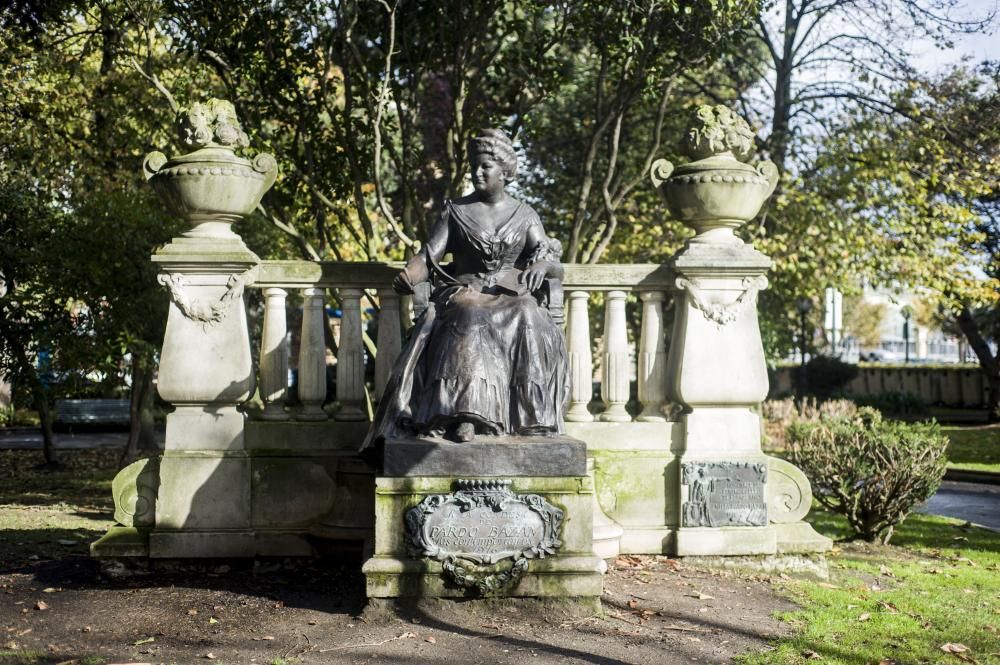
(88, 412)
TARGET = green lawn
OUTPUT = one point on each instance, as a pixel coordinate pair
(938, 584)
(975, 448)
(49, 515)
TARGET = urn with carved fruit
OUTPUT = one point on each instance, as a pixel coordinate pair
(718, 192)
(211, 187)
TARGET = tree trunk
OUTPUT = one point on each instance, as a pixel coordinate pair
(989, 363)
(41, 403)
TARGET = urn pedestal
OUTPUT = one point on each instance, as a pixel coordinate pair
(733, 499)
(202, 505)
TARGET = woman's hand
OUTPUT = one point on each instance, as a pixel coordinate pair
(534, 275)
(402, 284)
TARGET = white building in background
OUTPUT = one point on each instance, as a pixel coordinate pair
(926, 345)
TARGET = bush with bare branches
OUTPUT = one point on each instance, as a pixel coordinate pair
(870, 470)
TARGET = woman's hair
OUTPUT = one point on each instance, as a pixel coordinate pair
(497, 144)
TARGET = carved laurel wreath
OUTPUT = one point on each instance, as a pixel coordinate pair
(717, 313)
(208, 313)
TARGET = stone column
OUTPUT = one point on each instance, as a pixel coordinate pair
(274, 355)
(581, 367)
(652, 359)
(312, 356)
(351, 359)
(206, 372)
(615, 365)
(716, 364)
(390, 338)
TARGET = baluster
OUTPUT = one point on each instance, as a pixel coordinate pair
(581, 370)
(615, 365)
(351, 359)
(274, 355)
(652, 358)
(312, 356)
(389, 338)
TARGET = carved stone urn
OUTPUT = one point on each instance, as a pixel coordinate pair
(210, 187)
(718, 192)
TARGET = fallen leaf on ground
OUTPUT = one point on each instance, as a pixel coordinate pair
(865, 617)
(697, 594)
(213, 620)
(953, 647)
(50, 590)
(430, 638)
(210, 655)
(144, 641)
(888, 607)
(192, 612)
(811, 655)
(41, 605)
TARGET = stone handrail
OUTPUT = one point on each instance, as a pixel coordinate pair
(352, 279)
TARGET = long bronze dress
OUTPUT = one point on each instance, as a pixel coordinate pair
(484, 350)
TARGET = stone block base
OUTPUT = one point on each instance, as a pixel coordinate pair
(555, 577)
(648, 540)
(800, 537)
(573, 571)
(201, 544)
(794, 565)
(726, 541)
(122, 541)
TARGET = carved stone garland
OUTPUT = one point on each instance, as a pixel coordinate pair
(720, 314)
(207, 313)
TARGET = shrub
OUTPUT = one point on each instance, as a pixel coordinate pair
(894, 403)
(827, 376)
(870, 470)
(780, 413)
(6, 415)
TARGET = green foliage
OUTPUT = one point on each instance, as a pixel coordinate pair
(863, 320)
(894, 403)
(6, 415)
(901, 196)
(872, 471)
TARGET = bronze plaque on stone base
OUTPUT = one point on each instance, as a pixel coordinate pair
(724, 494)
(483, 533)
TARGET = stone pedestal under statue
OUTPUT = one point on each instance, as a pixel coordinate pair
(506, 517)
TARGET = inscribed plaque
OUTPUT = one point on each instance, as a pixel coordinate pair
(480, 524)
(724, 494)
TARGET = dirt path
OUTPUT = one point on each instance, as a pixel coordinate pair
(655, 611)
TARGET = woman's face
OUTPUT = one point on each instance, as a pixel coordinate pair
(487, 174)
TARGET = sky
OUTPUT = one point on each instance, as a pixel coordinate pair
(976, 46)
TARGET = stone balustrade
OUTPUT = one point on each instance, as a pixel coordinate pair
(242, 482)
(354, 282)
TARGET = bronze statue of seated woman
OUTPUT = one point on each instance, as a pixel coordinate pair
(484, 356)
